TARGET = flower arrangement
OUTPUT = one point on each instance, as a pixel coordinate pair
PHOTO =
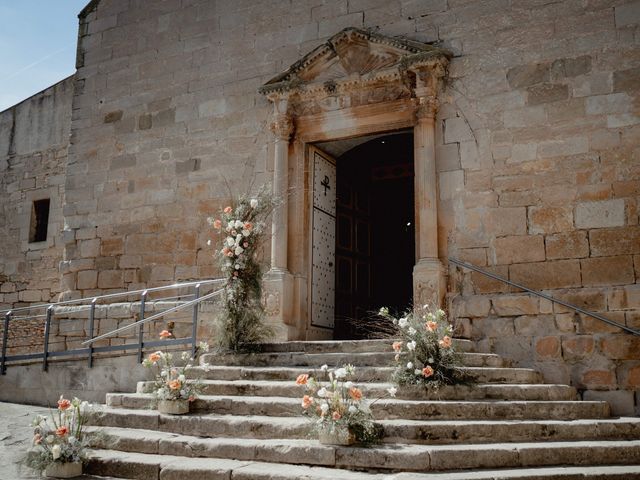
(242, 228)
(425, 354)
(59, 438)
(170, 378)
(337, 406)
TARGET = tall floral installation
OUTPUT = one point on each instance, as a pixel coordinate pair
(59, 442)
(171, 390)
(425, 353)
(337, 408)
(242, 229)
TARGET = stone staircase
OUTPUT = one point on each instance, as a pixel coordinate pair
(247, 425)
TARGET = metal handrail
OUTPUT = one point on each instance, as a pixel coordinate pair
(486, 273)
(114, 295)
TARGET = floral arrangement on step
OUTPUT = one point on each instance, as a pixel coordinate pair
(336, 406)
(59, 438)
(425, 353)
(170, 381)
(242, 228)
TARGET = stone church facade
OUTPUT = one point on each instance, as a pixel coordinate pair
(521, 121)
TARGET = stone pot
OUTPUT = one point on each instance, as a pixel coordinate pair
(64, 469)
(336, 436)
(173, 407)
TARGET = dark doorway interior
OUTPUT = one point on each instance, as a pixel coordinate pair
(375, 240)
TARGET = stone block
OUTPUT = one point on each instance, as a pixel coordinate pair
(577, 347)
(332, 25)
(512, 305)
(547, 347)
(525, 117)
(484, 284)
(571, 67)
(626, 80)
(457, 130)
(565, 322)
(600, 214)
(547, 275)
(546, 93)
(622, 120)
(519, 249)
(534, 325)
(145, 121)
(608, 104)
(586, 298)
(588, 324)
(504, 221)
(624, 298)
(474, 306)
(112, 246)
(451, 183)
(554, 372)
(627, 14)
(615, 241)
(87, 279)
(567, 245)
(629, 375)
(110, 279)
(566, 146)
(448, 157)
(607, 270)
(112, 117)
(523, 152)
(474, 256)
(493, 327)
(620, 347)
(526, 75)
(89, 248)
(598, 379)
(621, 401)
(123, 161)
(550, 219)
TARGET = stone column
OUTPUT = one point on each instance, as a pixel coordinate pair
(429, 284)
(278, 282)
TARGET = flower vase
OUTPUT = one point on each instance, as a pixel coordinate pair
(173, 407)
(64, 469)
(336, 436)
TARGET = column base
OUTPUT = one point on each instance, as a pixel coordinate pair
(429, 283)
(277, 300)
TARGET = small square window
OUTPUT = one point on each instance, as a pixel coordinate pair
(39, 221)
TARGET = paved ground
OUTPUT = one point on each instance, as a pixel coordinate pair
(16, 433)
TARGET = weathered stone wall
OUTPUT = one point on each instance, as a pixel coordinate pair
(34, 136)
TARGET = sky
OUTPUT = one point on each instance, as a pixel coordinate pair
(37, 45)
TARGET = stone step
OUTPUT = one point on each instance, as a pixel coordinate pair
(408, 458)
(480, 391)
(346, 346)
(363, 374)
(390, 408)
(395, 430)
(316, 360)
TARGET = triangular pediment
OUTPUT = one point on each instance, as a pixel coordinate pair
(350, 53)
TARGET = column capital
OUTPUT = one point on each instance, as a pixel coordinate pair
(426, 107)
(282, 126)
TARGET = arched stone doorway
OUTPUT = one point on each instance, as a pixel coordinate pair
(355, 85)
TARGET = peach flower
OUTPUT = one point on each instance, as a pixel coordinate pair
(432, 326)
(228, 209)
(175, 384)
(355, 393)
(427, 371)
(302, 379)
(336, 415)
(37, 439)
(248, 225)
(445, 342)
(397, 346)
(63, 403)
(217, 224)
(165, 334)
(192, 398)
(154, 357)
(307, 401)
(62, 430)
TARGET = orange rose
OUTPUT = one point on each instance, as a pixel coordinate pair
(336, 415)
(154, 357)
(165, 334)
(445, 342)
(228, 209)
(397, 346)
(175, 384)
(307, 401)
(62, 431)
(355, 393)
(248, 225)
(63, 403)
(302, 379)
(427, 371)
(432, 326)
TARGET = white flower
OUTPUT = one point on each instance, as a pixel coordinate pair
(324, 367)
(430, 360)
(324, 407)
(392, 391)
(397, 357)
(411, 346)
(412, 331)
(253, 203)
(237, 266)
(352, 409)
(431, 316)
(56, 452)
(409, 365)
(183, 393)
(181, 378)
(341, 373)
(238, 250)
(208, 242)
(246, 233)
(403, 322)
(322, 392)
(239, 224)
(417, 371)
(231, 241)
(348, 384)
(440, 312)
(383, 311)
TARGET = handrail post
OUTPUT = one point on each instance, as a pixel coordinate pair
(47, 328)
(5, 337)
(194, 323)
(143, 299)
(92, 313)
